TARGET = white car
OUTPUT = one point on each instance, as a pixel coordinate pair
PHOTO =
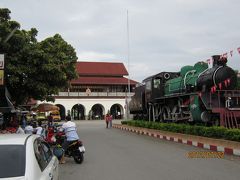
(26, 157)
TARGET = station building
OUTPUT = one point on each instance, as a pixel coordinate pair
(100, 88)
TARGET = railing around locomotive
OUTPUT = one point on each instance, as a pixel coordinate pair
(229, 99)
(227, 106)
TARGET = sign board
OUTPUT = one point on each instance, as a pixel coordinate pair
(1, 61)
(1, 77)
(1, 69)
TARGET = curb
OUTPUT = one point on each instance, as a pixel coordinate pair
(143, 131)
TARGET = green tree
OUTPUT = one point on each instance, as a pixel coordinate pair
(34, 69)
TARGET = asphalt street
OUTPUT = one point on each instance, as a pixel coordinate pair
(112, 154)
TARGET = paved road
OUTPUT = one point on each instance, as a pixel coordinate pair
(112, 154)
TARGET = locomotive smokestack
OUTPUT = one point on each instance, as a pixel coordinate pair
(215, 58)
(219, 60)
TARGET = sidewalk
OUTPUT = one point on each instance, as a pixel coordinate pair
(228, 147)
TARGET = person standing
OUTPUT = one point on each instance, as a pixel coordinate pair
(107, 120)
(28, 129)
(50, 120)
(110, 120)
(39, 128)
(20, 130)
(1, 121)
(23, 121)
(68, 117)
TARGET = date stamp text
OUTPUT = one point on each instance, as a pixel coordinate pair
(205, 154)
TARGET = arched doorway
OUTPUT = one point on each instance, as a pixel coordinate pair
(62, 111)
(116, 111)
(97, 112)
(78, 112)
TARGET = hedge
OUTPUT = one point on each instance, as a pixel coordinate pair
(212, 132)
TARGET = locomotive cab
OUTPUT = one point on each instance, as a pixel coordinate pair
(155, 85)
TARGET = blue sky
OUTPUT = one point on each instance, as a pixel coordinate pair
(164, 35)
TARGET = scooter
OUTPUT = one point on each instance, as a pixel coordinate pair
(76, 149)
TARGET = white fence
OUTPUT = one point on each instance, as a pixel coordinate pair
(100, 94)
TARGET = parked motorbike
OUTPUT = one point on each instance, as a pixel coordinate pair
(76, 149)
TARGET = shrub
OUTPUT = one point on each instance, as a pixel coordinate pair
(214, 132)
(232, 134)
(198, 130)
(124, 122)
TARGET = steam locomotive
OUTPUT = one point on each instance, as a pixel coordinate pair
(196, 94)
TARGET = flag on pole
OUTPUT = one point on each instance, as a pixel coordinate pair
(238, 50)
(225, 55)
(209, 61)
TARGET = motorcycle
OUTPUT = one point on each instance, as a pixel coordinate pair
(76, 149)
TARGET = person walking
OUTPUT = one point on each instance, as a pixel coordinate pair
(107, 120)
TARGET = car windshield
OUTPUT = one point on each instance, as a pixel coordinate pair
(12, 158)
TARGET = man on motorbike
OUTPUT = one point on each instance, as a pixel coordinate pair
(70, 130)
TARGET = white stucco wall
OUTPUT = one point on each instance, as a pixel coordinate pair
(89, 103)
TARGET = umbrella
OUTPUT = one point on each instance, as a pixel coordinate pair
(44, 107)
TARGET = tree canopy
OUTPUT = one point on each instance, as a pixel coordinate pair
(34, 69)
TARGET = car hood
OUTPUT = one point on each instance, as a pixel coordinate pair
(14, 178)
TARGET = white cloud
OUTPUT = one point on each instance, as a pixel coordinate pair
(179, 32)
(94, 56)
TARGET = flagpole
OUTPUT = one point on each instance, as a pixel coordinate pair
(128, 60)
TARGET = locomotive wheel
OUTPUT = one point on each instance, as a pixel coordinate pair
(205, 116)
(166, 112)
(175, 112)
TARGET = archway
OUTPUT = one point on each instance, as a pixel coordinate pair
(97, 112)
(117, 111)
(78, 112)
(62, 111)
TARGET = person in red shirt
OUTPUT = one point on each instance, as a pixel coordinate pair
(107, 117)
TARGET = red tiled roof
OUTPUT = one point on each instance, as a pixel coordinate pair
(101, 68)
(103, 80)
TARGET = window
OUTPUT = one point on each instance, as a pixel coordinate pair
(47, 151)
(43, 153)
(148, 85)
(12, 158)
(156, 83)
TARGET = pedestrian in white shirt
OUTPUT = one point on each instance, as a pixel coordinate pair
(28, 129)
(70, 130)
(39, 128)
(20, 130)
